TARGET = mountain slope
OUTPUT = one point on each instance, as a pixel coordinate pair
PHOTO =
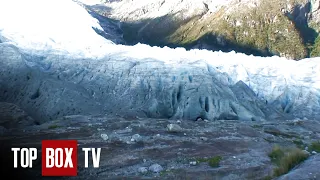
(260, 27)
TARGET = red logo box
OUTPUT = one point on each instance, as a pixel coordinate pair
(59, 158)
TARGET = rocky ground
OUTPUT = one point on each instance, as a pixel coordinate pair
(166, 149)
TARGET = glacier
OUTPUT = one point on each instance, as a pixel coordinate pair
(53, 63)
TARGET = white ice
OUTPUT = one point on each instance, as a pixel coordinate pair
(49, 25)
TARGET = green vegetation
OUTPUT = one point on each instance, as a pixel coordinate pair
(290, 161)
(53, 126)
(257, 126)
(276, 154)
(286, 159)
(276, 132)
(262, 30)
(316, 48)
(267, 29)
(315, 146)
(213, 161)
(299, 143)
(169, 172)
(267, 178)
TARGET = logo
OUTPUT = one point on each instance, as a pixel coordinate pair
(27, 156)
(59, 158)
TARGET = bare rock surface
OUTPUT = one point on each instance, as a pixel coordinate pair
(243, 146)
(12, 116)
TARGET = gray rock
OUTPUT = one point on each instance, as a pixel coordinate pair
(306, 152)
(111, 30)
(3, 130)
(12, 116)
(199, 119)
(313, 152)
(105, 137)
(156, 168)
(315, 5)
(247, 147)
(204, 138)
(174, 128)
(271, 129)
(136, 138)
(143, 170)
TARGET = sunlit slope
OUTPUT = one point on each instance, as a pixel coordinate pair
(260, 27)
